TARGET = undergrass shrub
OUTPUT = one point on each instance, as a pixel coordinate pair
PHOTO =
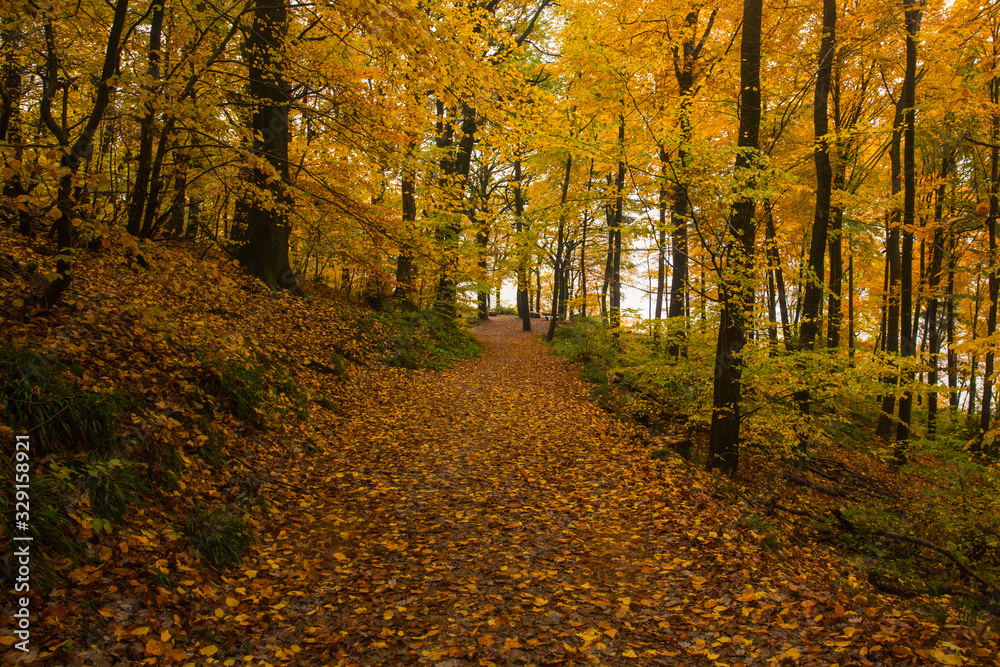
(427, 339)
(588, 342)
(50, 526)
(221, 535)
(239, 383)
(113, 485)
(40, 400)
(251, 389)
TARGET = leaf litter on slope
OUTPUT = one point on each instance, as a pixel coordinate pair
(492, 514)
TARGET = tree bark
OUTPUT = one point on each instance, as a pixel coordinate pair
(735, 291)
(10, 125)
(147, 127)
(907, 334)
(892, 258)
(558, 270)
(81, 148)
(933, 284)
(523, 300)
(614, 311)
(263, 245)
(813, 297)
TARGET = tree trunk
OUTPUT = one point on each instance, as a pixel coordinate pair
(949, 306)
(263, 247)
(774, 261)
(734, 289)
(661, 238)
(907, 342)
(558, 270)
(891, 346)
(986, 405)
(81, 148)
(933, 283)
(685, 58)
(614, 311)
(10, 125)
(147, 127)
(404, 261)
(824, 183)
(523, 300)
(455, 174)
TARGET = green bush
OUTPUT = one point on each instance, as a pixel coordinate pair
(113, 485)
(427, 339)
(50, 525)
(38, 400)
(240, 384)
(221, 535)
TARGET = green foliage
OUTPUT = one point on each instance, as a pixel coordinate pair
(426, 339)
(211, 449)
(221, 535)
(37, 399)
(240, 383)
(50, 525)
(112, 485)
(328, 403)
(251, 389)
(587, 342)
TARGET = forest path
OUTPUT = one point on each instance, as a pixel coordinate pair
(492, 514)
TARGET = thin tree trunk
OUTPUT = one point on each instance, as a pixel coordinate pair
(147, 127)
(949, 305)
(558, 271)
(812, 300)
(734, 290)
(81, 148)
(523, 299)
(892, 305)
(907, 343)
(933, 282)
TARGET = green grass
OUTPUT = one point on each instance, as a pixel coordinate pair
(426, 339)
(221, 535)
(38, 399)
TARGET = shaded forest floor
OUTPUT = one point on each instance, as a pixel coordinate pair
(486, 514)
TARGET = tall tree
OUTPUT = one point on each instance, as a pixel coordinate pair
(74, 155)
(263, 211)
(735, 292)
(907, 341)
(686, 57)
(824, 184)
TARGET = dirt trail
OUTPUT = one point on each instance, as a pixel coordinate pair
(492, 514)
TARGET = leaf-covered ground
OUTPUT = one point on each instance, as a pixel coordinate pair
(489, 514)
(492, 514)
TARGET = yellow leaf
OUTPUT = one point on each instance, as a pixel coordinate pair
(629, 653)
(209, 650)
(139, 632)
(792, 653)
(154, 647)
(232, 602)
